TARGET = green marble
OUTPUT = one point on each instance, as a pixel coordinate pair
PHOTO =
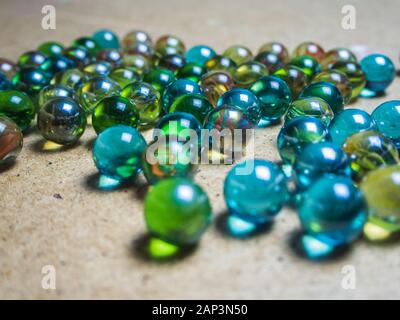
(51, 48)
(31, 81)
(18, 107)
(124, 76)
(294, 77)
(146, 99)
(221, 63)
(159, 78)
(195, 104)
(249, 72)
(98, 68)
(72, 78)
(80, 55)
(112, 111)
(176, 89)
(238, 54)
(354, 73)
(177, 211)
(88, 43)
(170, 44)
(192, 71)
(312, 107)
(307, 64)
(31, 59)
(54, 91)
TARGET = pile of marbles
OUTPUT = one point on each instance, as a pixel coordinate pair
(340, 167)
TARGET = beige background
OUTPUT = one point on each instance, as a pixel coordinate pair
(88, 235)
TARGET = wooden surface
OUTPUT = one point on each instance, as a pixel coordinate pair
(90, 236)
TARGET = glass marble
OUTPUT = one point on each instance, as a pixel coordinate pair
(180, 124)
(333, 210)
(245, 100)
(159, 78)
(170, 44)
(106, 39)
(112, 111)
(168, 158)
(192, 71)
(318, 159)
(277, 48)
(5, 83)
(296, 134)
(379, 72)
(146, 99)
(88, 43)
(195, 104)
(142, 49)
(8, 68)
(309, 65)
(11, 140)
(387, 119)
(172, 62)
(79, 55)
(199, 54)
(310, 49)
(215, 83)
(140, 63)
(368, 151)
(381, 189)
(327, 92)
(221, 63)
(136, 36)
(348, 122)
(311, 107)
(176, 89)
(95, 89)
(124, 76)
(256, 190)
(294, 77)
(117, 152)
(54, 91)
(31, 81)
(98, 68)
(227, 117)
(270, 60)
(56, 64)
(61, 120)
(31, 59)
(238, 54)
(51, 48)
(337, 55)
(72, 78)
(112, 56)
(247, 73)
(274, 96)
(338, 79)
(355, 74)
(17, 106)
(177, 211)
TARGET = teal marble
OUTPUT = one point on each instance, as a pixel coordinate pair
(274, 96)
(195, 104)
(5, 84)
(296, 134)
(333, 210)
(379, 72)
(176, 89)
(327, 92)
(387, 119)
(243, 99)
(106, 39)
(199, 54)
(255, 190)
(117, 152)
(31, 80)
(192, 71)
(318, 159)
(348, 122)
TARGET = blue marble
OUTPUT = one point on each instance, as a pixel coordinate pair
(348, 122)
(5, 84)
(176, 89)
(243, 99)
(379, 72)
(333, 210)
(117, 152)
(387, 119)
(318, 159)
(106, 39)
(296, 134)
(199, 54)
(256, 190)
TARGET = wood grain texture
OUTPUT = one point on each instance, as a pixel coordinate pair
(88, 234)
